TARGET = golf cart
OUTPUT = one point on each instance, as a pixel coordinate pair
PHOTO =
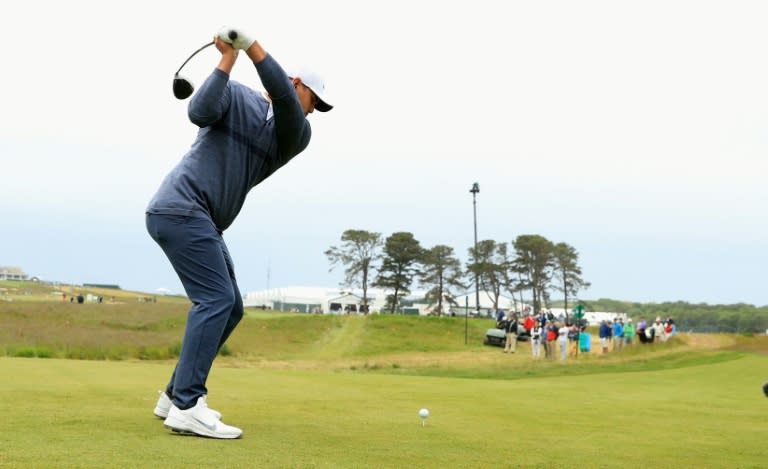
(498, 337)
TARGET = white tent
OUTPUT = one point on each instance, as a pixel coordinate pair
(345, 303)
(317, 299)
(467, 302)
(303, 299)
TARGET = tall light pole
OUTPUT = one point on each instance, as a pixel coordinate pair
(475, 190)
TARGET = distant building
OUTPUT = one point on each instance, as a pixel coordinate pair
(12, 273)
(346, 301)
(306, 300)
(465, 304)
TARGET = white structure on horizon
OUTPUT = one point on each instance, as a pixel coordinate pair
(339, 301)
(325, 300)
(468, 300)
(314, 299)
(12, 273)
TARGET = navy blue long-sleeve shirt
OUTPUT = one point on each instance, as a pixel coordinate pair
(239, 144)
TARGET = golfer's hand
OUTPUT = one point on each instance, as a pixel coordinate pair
(228, 54)
(237, 37)
(224, 47)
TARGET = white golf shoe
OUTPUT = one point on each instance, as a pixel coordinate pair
(200, 420)
(164, 404)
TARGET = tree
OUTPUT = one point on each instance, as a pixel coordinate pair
(490, 263)
(533, 259)
(358, 250)
(567, 271)
(402, 253)
(440, 272)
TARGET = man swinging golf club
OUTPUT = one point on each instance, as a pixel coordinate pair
(244, 137)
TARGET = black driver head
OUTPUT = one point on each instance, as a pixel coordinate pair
(182, 88)
(765, 389)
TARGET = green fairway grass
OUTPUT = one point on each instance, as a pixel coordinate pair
(79, 383)
(87, 414)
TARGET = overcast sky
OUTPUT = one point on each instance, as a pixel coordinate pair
(637, 132)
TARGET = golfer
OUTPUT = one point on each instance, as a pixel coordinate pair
(244, 137)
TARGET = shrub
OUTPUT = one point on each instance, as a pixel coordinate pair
(25, 352)
(43, 352)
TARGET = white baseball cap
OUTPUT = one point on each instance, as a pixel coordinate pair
(314, 82)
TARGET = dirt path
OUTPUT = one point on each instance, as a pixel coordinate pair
(341, 341)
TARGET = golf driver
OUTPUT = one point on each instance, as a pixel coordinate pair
(183, 88)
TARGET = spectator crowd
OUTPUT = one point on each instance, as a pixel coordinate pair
(549, 337)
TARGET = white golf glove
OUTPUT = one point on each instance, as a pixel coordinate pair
(236, 37)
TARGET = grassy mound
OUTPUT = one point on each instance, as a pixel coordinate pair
(131, 329)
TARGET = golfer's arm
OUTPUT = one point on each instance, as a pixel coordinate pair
(256, 53)
(211, 101)
(293, 130)
(227, 62)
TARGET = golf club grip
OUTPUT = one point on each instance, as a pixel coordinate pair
(193, 54)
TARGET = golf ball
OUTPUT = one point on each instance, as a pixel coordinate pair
(424, 413)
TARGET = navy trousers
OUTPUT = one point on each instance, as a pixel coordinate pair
(200, 258)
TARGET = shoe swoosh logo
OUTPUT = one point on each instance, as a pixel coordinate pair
(206, 425)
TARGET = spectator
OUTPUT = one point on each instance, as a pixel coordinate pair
(529, 323)
(605, 335)
(510, 327)
(562, 338)
(629, 332)
(585, 340)
(573, 339)
(545, 332)
(536, 340)
(670, 329)
(542, 320)
(642, 325)
(655, 331)
(552, 332)
(618, 333)
(499, 316)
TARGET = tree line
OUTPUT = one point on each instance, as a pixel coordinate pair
(530, 264)
(698, 317)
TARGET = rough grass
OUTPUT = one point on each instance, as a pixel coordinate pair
(389, 344)
(91, 331)
(125, 330)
